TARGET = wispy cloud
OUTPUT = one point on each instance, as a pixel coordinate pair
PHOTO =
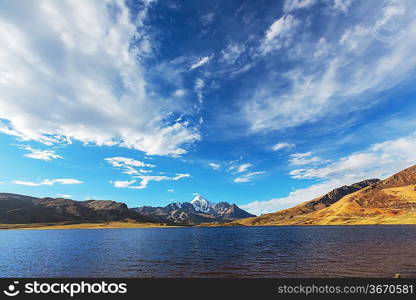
(331, 75)
(142, 176)
(208, 18)
(341, 5)
(232, 53)
(202, 61)
(145, 180)
(214, 166)
(46, 155)
(283, 145)
(247, 177)
(49, 182)
(240, 168)
(129, 166)
(303, 159)
(292, 5)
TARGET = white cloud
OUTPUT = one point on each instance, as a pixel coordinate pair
(199, 85)
(279, 34)
(69, 71)
(123, 184)
(214, 166)
(208, 18)
(241, 168)
(179, 93)
(247, 177)
(303, 159)
(362, 58)
(232, 53)
(46, 155)
(66, 196)
(120, 161)
(202, 61)
(171, 190)
(144, 181)
(280, 146)
(378, 161)
(292, 5)
(341, 5)
(48, 182)
(129, 165)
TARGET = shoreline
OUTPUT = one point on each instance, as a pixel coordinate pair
(98, 225)
(125, 225)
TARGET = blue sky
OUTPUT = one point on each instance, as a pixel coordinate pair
(260, 103)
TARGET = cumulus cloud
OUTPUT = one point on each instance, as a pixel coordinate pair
(46, 155)
(280, 146)
(74, 70)
(247, 177)
(378, 161)
(49, 182)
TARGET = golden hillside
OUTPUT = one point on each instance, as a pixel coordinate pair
(391, 201)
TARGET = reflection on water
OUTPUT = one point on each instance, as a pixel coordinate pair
(336, 251)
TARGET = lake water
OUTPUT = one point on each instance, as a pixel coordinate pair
(336, 251)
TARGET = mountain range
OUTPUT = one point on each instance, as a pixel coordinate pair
(372, 201)
(199, 210)
(389, 201)
(20, 209)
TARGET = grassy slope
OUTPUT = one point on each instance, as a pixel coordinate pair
(365, 207)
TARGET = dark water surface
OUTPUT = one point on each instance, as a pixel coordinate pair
(336, 251)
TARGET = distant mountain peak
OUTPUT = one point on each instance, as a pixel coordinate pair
(199, 210)
(202, 204)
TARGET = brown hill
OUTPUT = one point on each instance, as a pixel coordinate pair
(19, 209)
(391, 201)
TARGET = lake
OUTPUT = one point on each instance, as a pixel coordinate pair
(330, 251)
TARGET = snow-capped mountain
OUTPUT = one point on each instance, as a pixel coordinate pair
(199, 210)
(203, 205)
